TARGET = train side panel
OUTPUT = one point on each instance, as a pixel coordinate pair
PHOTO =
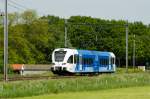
(94, 62)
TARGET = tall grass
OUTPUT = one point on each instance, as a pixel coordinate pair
(109, 81)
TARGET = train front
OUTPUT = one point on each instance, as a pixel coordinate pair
(60, 60)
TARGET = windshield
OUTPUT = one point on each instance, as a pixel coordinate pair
(59, 56)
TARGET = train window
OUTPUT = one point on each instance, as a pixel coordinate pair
(83, 60)
(101, 61)
(59, 56)
(91, 61)
(70, 60)
(87, 61)
(104, 61)
(112, 60)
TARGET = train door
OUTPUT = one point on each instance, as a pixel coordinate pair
(95, 65)
(104, 63)
(80, 62)
(87, 63)
(70, 63)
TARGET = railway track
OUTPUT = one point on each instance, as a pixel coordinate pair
(39, 77)
(27, 78)
(22, 78)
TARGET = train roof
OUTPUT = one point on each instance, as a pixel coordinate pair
(90, 52)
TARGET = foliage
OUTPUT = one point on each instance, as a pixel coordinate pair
(109, 35)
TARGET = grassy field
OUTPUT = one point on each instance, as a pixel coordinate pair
(81, 84)
(122, 93)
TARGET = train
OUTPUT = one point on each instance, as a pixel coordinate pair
(73, 61)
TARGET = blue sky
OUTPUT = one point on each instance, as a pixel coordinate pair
(132, 10)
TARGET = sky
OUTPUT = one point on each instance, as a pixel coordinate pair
(131, 10)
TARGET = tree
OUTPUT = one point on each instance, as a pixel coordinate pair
(32, 39)
(29, 16)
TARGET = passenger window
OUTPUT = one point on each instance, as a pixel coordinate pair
(103, 61)
(87, 61)
(70, 60)
(112, 60)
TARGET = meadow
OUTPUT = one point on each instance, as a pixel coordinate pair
(121, 93)
(81, 84)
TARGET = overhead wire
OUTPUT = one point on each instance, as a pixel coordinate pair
(1, 6)
(13, 6)
(17, 4)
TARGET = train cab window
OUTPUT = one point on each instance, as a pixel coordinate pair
(70, 60)
(59, 56)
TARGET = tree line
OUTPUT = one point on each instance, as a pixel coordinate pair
(32, 39)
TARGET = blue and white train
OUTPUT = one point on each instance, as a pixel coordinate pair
(73, 61)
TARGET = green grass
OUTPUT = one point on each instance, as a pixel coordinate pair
(102, 82)
(122, 93)
(130, 70)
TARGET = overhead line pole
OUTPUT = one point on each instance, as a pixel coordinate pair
(127, 31)
(65, 33)
(134, 52)
(6, 40)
